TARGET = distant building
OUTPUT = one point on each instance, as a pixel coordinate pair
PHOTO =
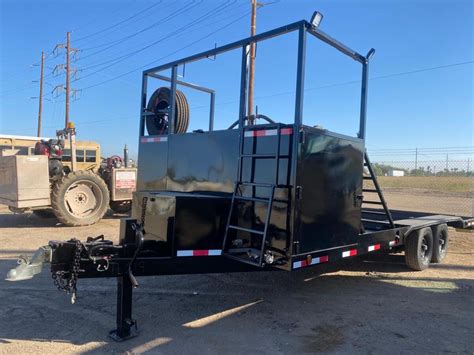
(396, 173)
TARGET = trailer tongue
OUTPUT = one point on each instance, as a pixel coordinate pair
(269, 196)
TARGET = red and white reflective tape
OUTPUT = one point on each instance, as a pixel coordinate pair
(267, 132)
(392, 243)
(348, 253)
(154, 139)
(206, 252)
(314, 261)
(373, 247)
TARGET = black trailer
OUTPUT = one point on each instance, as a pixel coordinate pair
(268, 196)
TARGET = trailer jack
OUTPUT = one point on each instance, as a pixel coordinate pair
(95, 258)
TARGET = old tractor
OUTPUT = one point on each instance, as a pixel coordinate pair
(63, 177)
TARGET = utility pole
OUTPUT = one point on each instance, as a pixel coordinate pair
(68, 72)
(40, 108)
(253, 31)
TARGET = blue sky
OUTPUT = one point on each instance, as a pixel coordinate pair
(432, 108)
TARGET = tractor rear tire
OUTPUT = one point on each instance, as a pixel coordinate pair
(121, 206)
(419, 249)
(80, 198)
(440, 243)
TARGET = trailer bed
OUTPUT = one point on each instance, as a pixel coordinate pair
(423, 219)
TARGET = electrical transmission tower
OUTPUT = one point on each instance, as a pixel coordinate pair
(71, 55)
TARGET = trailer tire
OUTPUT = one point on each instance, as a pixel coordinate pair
(440, 243)
(419, 249)
(80, 198)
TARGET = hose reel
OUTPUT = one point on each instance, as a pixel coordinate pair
(159, 105)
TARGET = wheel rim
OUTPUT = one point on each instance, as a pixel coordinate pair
(83, 198)
(442, 243)
(424, 247)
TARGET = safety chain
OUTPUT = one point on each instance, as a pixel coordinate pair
(143, 214)
(67, 281)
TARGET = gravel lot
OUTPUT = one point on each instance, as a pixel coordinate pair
(363, 306)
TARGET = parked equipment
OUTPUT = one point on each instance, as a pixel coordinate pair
(280, 196)
(64, 178)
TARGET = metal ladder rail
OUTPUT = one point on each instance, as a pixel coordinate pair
(236, 184)
(379, 192)
(277, 156)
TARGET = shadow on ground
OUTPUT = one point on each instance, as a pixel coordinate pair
(313, 310)
(31, 220)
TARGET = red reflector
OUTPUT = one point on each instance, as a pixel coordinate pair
(200, 253)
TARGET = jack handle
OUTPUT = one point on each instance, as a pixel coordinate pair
(140, 238)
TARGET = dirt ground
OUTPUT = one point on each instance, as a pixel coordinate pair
(432, 202)
(363, 306)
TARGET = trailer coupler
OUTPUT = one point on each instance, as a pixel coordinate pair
(30, 266)
(94, 258)
(68, 260)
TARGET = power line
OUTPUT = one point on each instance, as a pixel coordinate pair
(114, 61)
(189, 45)
(423, 70)
(161, 21)
(118, 23)
(168, 55)
(30, 84)
(48, 56)
(110, 14)
(215, 11)
(352, 82)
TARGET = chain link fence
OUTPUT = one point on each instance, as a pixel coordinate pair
(434, 186)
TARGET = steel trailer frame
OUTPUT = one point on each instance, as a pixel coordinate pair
(303, 27)
(99, 258)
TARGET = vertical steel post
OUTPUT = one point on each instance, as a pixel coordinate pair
(242, 110)
(72, 145)
(125, 155)
(211, 112)
(416, 159)
(300, 73)
(143, 105)
(295, 142)
(40, 106)
(68, 72)
(243, 86)
(172, 109)
(363, 99)
(253, 31)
